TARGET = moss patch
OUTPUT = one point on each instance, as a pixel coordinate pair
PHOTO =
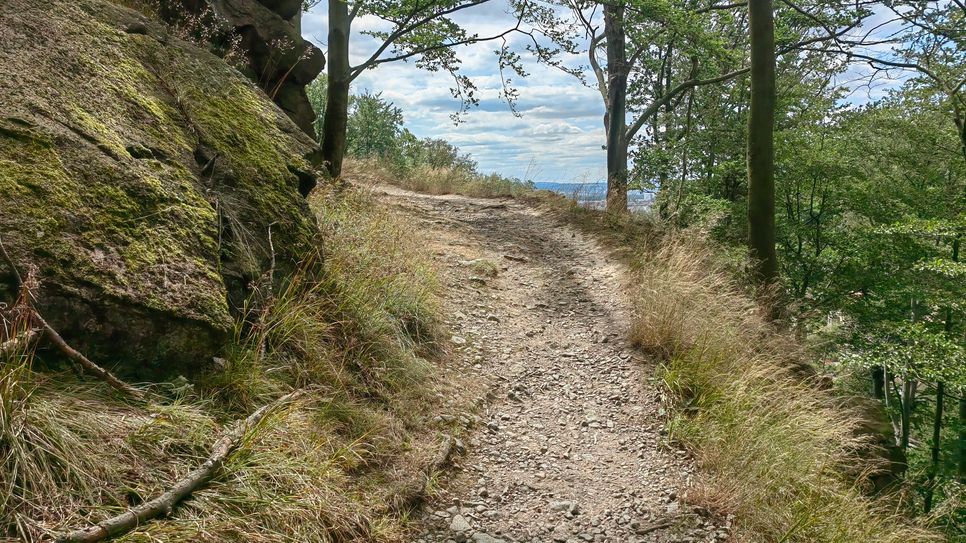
(143, 175)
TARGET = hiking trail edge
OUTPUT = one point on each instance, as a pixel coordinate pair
(572, 445)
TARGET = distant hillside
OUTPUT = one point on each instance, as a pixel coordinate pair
(593, 194)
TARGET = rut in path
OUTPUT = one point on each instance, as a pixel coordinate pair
(572, 445)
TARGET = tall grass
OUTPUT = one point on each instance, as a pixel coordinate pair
(430, 180)
(776, 451)
(357, 324)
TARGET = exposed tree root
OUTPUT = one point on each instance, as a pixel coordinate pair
(659, 525)
(162, 505)
(411, 494)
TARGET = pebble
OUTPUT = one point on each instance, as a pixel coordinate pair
(570, 444)
(459, 524)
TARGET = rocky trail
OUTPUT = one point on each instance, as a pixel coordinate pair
(571, 445)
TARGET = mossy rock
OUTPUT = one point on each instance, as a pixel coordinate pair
(140, 175)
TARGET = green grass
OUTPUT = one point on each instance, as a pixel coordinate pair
(776, 451)
(357, 324)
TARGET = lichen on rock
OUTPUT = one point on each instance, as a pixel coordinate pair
(140, 175)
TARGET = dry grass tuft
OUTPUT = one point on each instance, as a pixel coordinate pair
(431, 180)
(628, 234)
(358, 323)
(777, 452)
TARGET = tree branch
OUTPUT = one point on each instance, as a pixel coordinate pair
(891, 63)
(721, 7)
(59, 342)
(85, 362)
(670, 95)
(437, 47)
(355, 11)
(196, 479)
(405, 28)
(595, 65)
(10, 264)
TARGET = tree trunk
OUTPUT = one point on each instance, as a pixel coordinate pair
(908, 399)
(896, 426)
(962, 400)
(337, 101)
(685, 137)
(960, 125)
(878, 382)
(962, 440)
(616, 98)
(761, 146)
(937, 427)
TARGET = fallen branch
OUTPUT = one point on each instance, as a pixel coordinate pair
(75, 355)
(13, 268)
(659, 525)
(85, 362)
(196, 479)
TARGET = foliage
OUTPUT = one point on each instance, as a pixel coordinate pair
(870, 214)
(778, 452)
(385, 150)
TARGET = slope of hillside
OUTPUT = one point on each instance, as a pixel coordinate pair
(312, 356)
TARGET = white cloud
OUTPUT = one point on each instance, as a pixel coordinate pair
(559, 134)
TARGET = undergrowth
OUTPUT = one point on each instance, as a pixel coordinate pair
(430, 180)
(357, 324)
(778, 452)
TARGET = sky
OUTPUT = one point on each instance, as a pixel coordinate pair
(558, 136)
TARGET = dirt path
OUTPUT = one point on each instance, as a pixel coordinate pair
(571, 446)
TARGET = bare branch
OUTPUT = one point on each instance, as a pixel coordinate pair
(440, 46)
(670, 95)
(62, 345)
(86, 363)
(404, 28)
(196, 479)
(720, 7)
(595, 42)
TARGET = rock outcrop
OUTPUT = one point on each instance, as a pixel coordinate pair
(265, 32)
(279, 60)
(141, 176)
